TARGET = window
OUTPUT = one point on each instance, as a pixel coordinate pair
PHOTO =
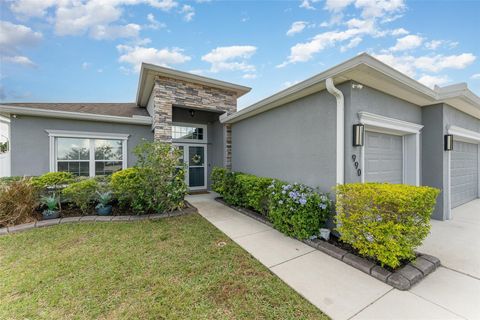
(87, 154)
(188, 132)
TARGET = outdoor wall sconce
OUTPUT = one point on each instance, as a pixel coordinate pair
(192, 113)
(448, 142)
(358, 135)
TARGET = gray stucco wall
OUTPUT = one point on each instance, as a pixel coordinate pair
(434, 159)
(215, 134)
(295, 142)
(370, 100)
(30, 142)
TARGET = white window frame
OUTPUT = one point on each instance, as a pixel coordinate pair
(53, 134)
(7, 172)
(191, 125)
(463, 135)
(411, 142)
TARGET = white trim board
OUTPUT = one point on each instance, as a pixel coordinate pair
(411, 142)
(463, 134)
(140, 120)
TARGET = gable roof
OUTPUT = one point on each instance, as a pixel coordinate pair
(371, 72)
(110, 112)
(149, 71)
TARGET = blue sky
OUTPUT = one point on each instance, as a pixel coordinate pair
(90, 51)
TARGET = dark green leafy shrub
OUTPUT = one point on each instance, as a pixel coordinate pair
(18, 201)
(127, 187)
(297, 210)
(252, 192)
(384, 221)
(157, 184)
(82, 194)
(53, 180)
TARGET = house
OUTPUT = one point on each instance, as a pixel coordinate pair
(359, 121)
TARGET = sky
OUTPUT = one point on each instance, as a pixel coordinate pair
(91, 50)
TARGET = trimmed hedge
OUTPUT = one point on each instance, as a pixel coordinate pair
(299, 213)
(82, 194)
(384, 221)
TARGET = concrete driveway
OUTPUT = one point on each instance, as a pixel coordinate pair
(343, 292)
(456, 242)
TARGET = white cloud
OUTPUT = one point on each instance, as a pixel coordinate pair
(399, 32)
(15, 37)
(154, 24)
(380, 8)
(302, 52)
(433, 45)
(407, 43)
(98, 18)
(296, 27)
(308, 4)
(432, 81)
(21, 60)
(249, 76)
(233, 58)
(86, 65)
(337, 5)
(110, 32)
(475, 76)
(188, 12)
(135, 55)
(352, 44)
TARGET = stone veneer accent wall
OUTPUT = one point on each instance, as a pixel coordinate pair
(170, 92)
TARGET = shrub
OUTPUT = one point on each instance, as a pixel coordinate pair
(127, 187)
(224, 183)
(18, 201)
(82, 194)
(4, 181)
(162, 176)
(384, 221)
(53, 180)
(297, 210)
(252, 192)
(157, 184)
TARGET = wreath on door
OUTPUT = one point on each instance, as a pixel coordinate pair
(196, 159)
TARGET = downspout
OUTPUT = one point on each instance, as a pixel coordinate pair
(340, 129)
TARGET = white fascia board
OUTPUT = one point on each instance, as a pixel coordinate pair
(460, 133)
(141, 120)
(339, 74)
(395, 125)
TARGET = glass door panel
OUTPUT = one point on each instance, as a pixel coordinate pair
(196, 166)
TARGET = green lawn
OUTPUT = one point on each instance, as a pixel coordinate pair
(176, 268)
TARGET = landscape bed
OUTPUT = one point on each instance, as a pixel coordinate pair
(402, 278)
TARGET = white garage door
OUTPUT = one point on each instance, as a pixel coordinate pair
(383, 158)
(464, 173)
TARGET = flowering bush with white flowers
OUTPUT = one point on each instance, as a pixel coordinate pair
(297, 210)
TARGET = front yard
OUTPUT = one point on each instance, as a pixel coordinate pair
(176, 268)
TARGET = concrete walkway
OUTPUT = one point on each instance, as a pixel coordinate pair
(337, 289)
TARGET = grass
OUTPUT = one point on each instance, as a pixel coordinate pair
(176, 268)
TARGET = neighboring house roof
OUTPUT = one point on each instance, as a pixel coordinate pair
(371, 72)
(109, 112)
(149, 71)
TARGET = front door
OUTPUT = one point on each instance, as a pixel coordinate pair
(195, 158)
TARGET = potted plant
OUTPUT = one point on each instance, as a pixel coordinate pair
(51, 202)
(103, 207)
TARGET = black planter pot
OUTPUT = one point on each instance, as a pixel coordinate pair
(104, 211)
(47, 214)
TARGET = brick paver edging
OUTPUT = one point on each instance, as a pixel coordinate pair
(45, 223)
(402, 279)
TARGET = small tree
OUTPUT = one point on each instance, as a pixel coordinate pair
(162, 175)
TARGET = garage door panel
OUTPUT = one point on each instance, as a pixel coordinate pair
(463, 173)
(383, 158)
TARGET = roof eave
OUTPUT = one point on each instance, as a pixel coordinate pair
(145, 84)
(139, 120)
